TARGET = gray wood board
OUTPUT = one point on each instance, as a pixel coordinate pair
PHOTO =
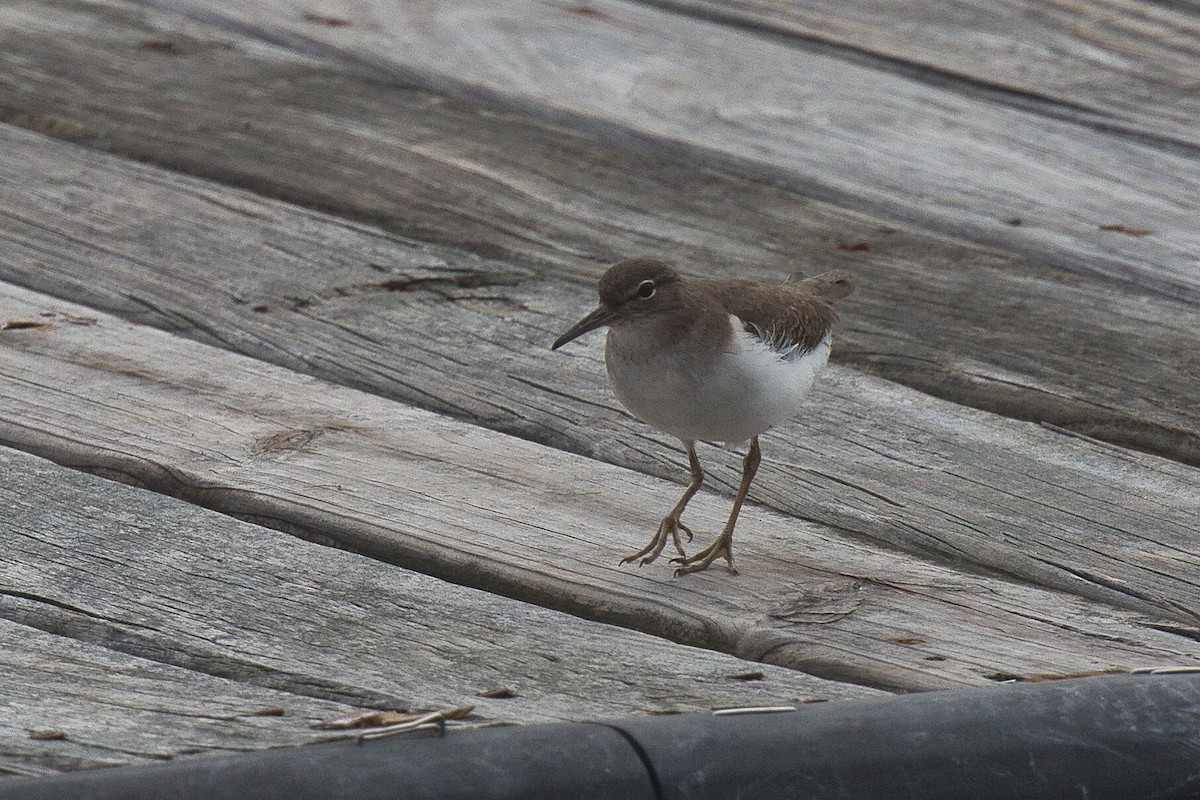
(962, 323)
(871, 139)
(469, 337)
(510, 516)
(1125, 64)
(144, 627)
(111, 708)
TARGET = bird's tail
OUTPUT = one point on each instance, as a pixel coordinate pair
(829, 286)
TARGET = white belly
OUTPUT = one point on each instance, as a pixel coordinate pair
(744, 391)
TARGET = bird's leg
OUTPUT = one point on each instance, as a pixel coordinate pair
(723, 546)
(670, 525)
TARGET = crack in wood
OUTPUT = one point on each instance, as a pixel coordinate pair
(63, 605)
(130, 638)
(456, 286)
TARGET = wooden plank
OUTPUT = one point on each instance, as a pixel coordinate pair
(1128, 64)
(959, 322)
(880, 142)
(144, 627)
(112, 709)
(480, 508)
(469, 337)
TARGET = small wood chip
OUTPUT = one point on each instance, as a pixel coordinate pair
(24, 325)
(458, 713)
(498, 693)
(747, 676)
(50, 735)
(1128, 230)
(269, 711)
(906, 640)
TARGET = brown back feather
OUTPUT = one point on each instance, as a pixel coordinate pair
(788, 315)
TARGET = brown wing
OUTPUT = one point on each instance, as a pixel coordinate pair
(792, 317)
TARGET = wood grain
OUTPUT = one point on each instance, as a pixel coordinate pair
(960, 322)
(113, 709)
(464, 334)
(144, 627)
(1129, 65)
(513, 517)
(872, 140)
(469, 337)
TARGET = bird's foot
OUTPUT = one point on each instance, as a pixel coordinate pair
(721, 548)
(669, 528)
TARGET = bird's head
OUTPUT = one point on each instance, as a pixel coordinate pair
(633, 289)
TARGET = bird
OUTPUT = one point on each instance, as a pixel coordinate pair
(716, 360)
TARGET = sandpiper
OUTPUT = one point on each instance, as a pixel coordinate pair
(710, 360)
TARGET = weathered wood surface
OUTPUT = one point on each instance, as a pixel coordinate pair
(517, 518)
(111, 708)
(365, 309)
(439, 326)
(1125, 64)
(144, 627)
(873, 140)
(963, 323)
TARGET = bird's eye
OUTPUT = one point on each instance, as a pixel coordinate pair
(645, 290)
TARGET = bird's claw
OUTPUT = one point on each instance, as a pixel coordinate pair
(636, 556)
(669, 528)
(702, 560)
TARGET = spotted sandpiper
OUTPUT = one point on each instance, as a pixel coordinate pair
(710, 360)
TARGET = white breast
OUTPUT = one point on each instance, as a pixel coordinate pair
(741, 392)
